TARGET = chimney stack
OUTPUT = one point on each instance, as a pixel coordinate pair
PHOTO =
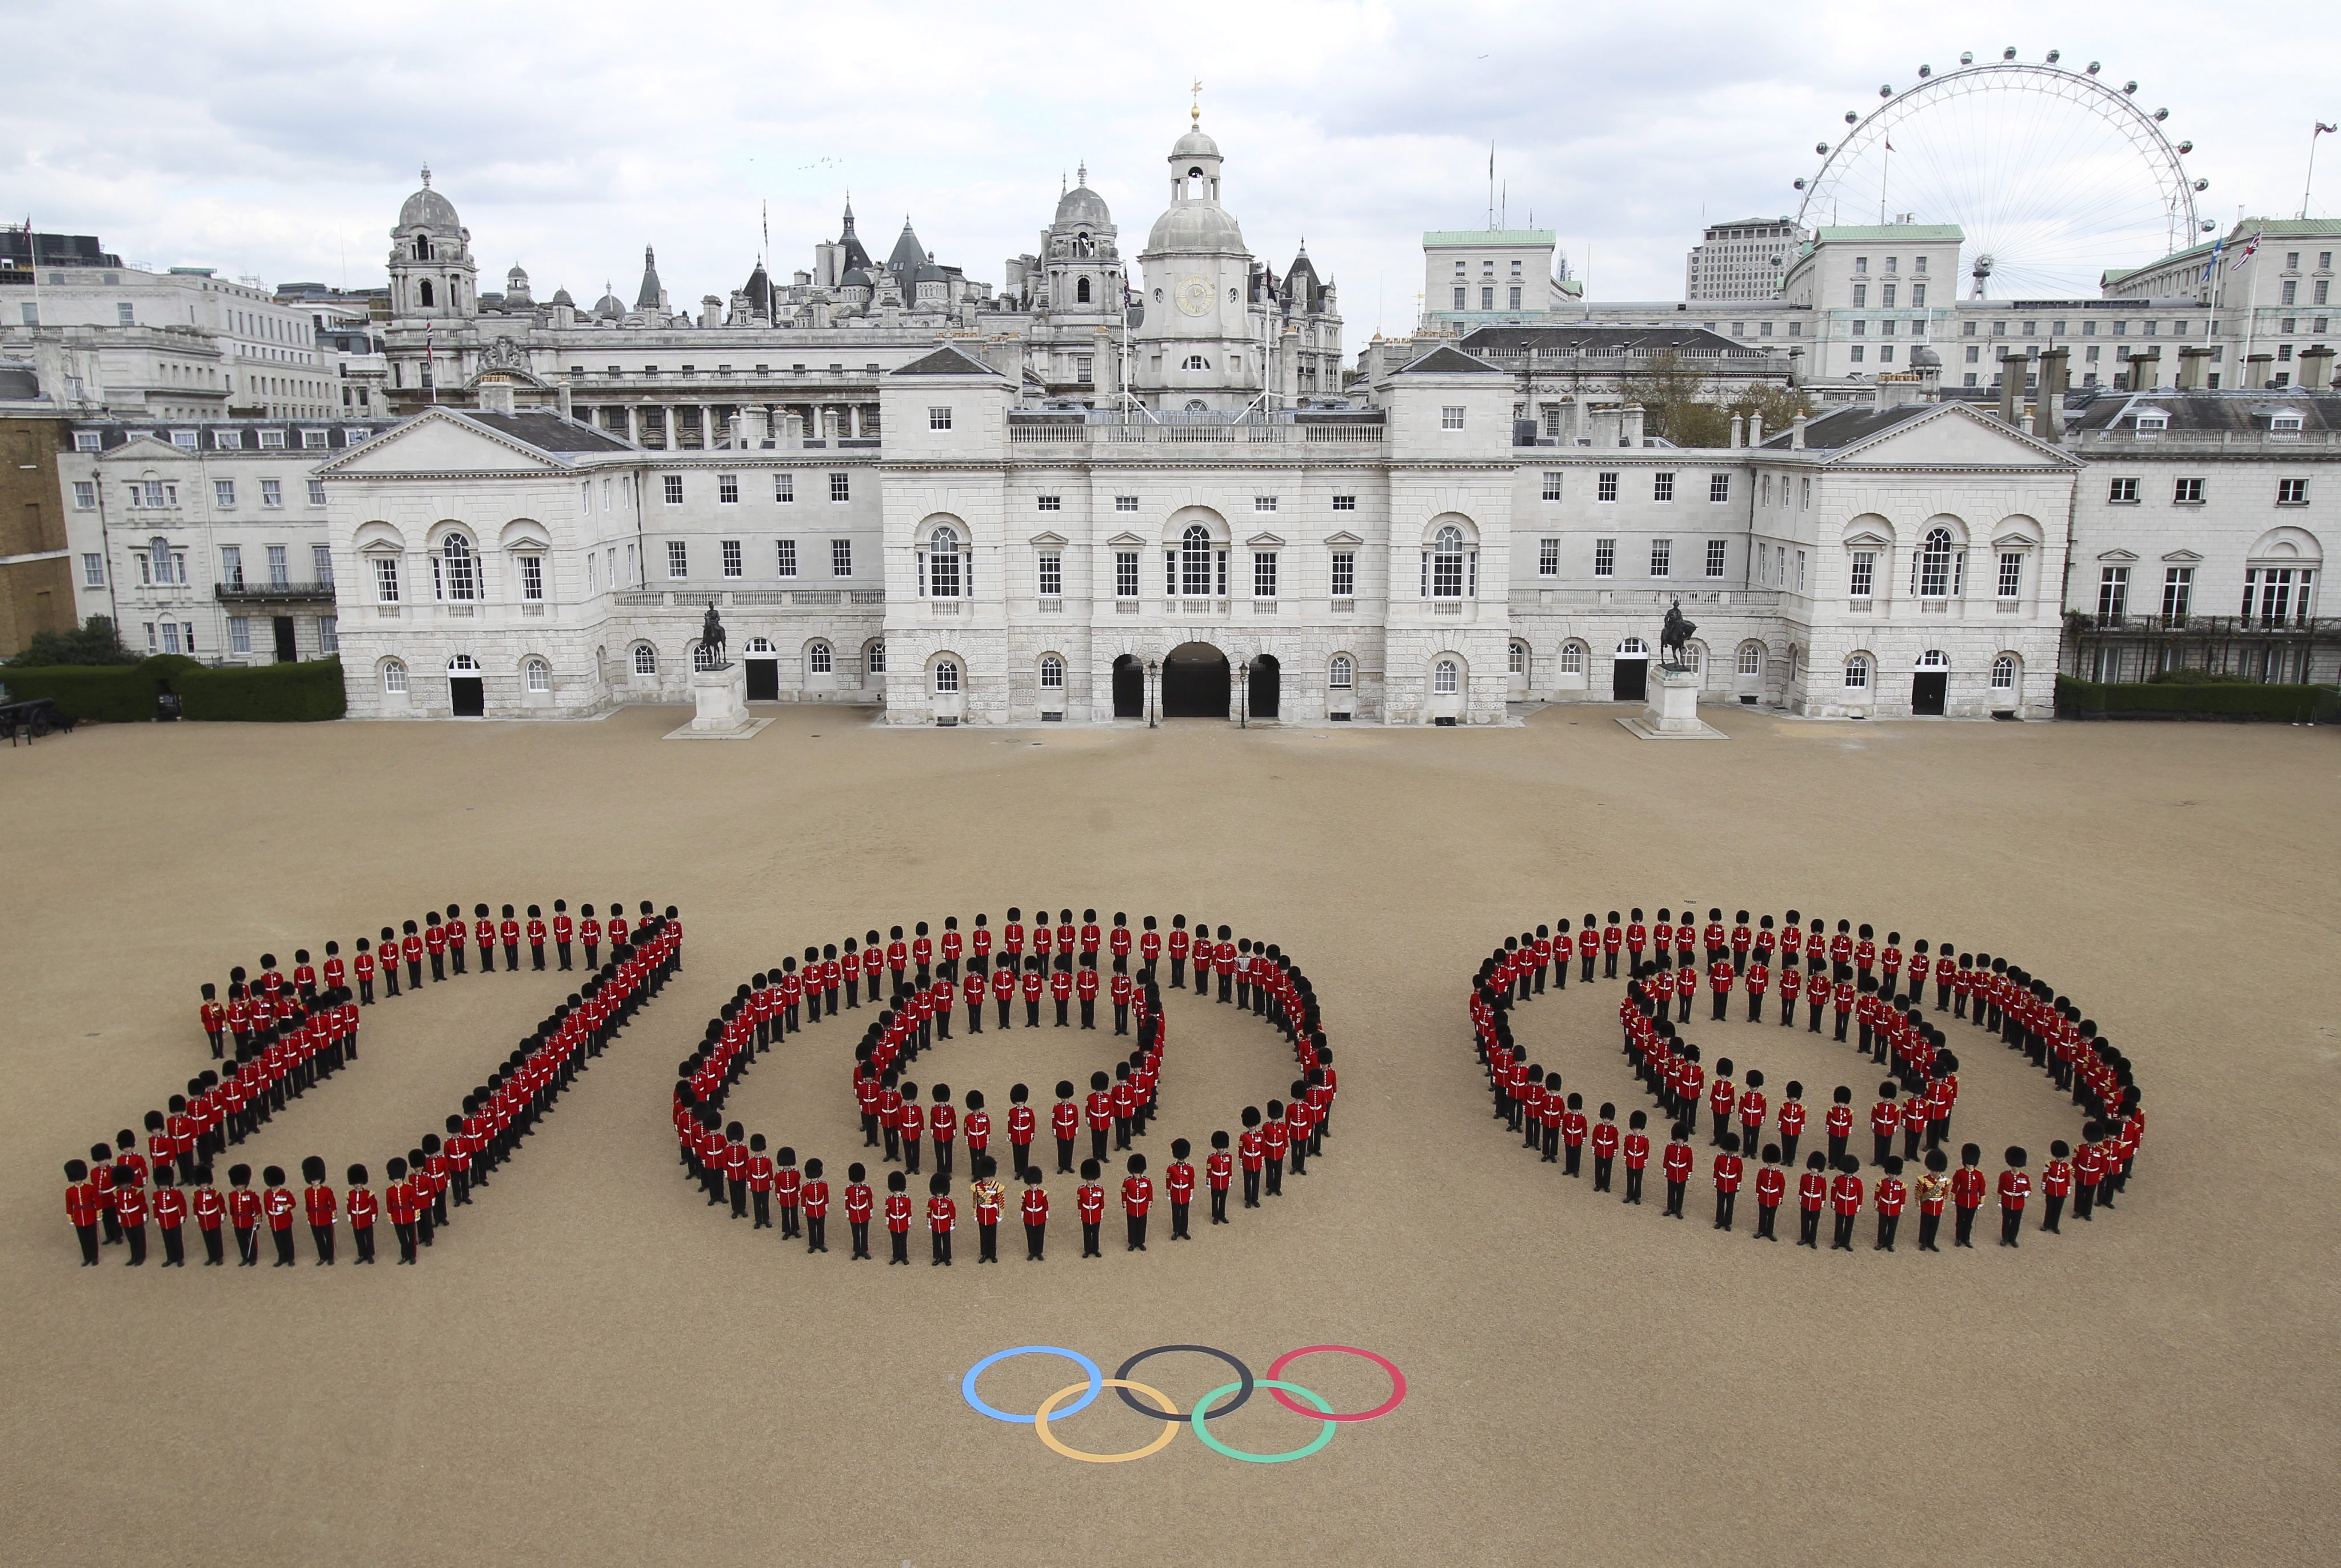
(2256, 372)
(1755, 430)
(2145, 369)
(1797, 433)
(1631, 435)
(2191, 362)
(2011, 387)
(2048, 398)
(2316, 368)
(1738, 431)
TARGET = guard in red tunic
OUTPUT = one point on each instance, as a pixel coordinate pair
(1838, 1120)
(942, 1126)
(1885, 1116)
(760, 1183)
(1149, 949)
(2015, 1187)
(1089, 1198)
(1218, 1173)
(788, 1189)
(214, 1021)
(536, 933)
(1061, 990)
(435, 943)
(1036, 1216)
(1589, 945)
(815, 1199)
(1812, 1195)
(2056, 1183)
(82, 1208)
(1121, 991)
(409, 949)
(508, 932)
(1574, 1128)
(731, 1163)
(1771, 1187)
(130, 1210)
(1178, 947)
(898, 1218)
(1099, 1115)
(277, 1206)
(914, 1129)
(398, 1200)
(1677, 1166)
(207, 1209)
(361, 1206)
(1968, 1187)
(1035, 983)
(1890, 1197)
(564, 931)
(1137, 1197)
(1636, 1148)
(1064, 1125)
(1605, 1147)
(363, 968)
(1792, 985)
(1722, 1101)
(1613, 940)
(1275, 1140)
(1727, 1172)
(1252, 1149)
(1003, 989)
(859, 1201)
(321, 1203)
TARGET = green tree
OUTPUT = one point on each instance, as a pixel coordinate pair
(97, 642)
(1681, 403)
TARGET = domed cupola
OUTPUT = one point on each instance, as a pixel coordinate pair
(432, 272)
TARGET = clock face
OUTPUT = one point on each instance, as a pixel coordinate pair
(1194, 295)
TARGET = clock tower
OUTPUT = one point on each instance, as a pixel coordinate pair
(1198, 345)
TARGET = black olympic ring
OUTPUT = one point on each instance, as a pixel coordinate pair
(1241, 1371)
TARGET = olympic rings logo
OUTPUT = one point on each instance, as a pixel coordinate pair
(1206, 1410)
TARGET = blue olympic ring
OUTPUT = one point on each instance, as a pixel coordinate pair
(1088, 1367)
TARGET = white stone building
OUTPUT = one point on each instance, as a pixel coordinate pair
(1742, 260)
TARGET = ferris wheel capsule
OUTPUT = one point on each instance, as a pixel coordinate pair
(1966, 56)
(1800, 185)
(2094, 67)
(2202, 184)
(1852, 118)
(2055, 56)
(1925, 72)
(2185, 147)
(2161, 115)
(1822, 148)
(2206, 225)
(2128, 87)
(2008, 53)
(1886, 90)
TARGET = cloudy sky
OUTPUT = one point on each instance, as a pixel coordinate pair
(278, 141)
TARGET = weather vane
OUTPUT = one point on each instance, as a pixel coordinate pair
(1196, 111)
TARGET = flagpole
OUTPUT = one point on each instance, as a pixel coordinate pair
(2311, 179)
(2251, 307)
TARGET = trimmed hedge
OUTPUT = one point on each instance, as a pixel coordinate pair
(266, 693)
(125, 694)
(2245, 701)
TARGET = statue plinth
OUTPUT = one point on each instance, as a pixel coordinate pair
(1671, 709)
(721, 697)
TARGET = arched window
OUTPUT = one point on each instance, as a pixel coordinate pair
(703, 656)
(1933, 658)
(1195, 362)
(1053, 673)
(1751, 659)
(462, 664)
(158, 559)
(1342, 674)
(1856, 673)
(874, 658)
(394, 678)
(425, 286)
(537, 674)
(760, 648)
(645, 658)
(455, 572)
(1572, 659)
(1195, 562)
(819, 660)
(1695, 658)
(2003, 673)
(1443, 565)
(1081, 293)
(1445, 677)
(946, 675)
(1517, 663)
(1931, 572)
(943, 563)
(422, 253)
(1633, 648)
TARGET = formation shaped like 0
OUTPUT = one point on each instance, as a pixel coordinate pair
(1054, 1407)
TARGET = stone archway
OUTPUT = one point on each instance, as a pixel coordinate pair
(1195, 682)
(1267, 685)
(1129, 687)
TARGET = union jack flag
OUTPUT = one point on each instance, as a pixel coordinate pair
(2245, 253)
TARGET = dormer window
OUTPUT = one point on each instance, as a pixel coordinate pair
(2152, 423)
(2284, 423)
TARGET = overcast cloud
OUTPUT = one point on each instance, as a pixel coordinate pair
(278, 141)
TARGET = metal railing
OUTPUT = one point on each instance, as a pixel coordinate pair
(274, 592)
(2205, 627)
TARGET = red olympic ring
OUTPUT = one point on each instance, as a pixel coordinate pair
(1397, 1382)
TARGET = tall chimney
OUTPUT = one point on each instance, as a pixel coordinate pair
(2049, 399)
(1738, 431)
(2011, 385)
(1756, 429)
(2191, 362)
(2316, 368)
(2145, 369)
(2255, 371)
(1797, 433)
(1631, 434)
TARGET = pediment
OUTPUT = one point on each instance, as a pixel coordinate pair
(1344, 539)
(1868, 538)
(146, 447)
(1126, 540)
(2118, 557)
(1265, 541)
(436, 442)
(1048, 538)
(2183, 557)
(1956, 435)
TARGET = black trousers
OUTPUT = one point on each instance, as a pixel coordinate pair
(861, 1232)
(763, 1211)
(214, 1248)
(564, 947)
(1178, 1222)
(1251, 1189)
(816, 1233)
(1789, 1142)
(438, 968)
(1675, 1190)
(175, 1248)
(1836, 1150)
(1585, 968)
(1032, 1013)
(415, 975)
(739, 1188)
(1276, 1178)
(361, 1237)
(1788, 1012)
(1178, 974)
(1928, 1223)
(1218, 1205)
(536, 956)
(901, 1240)
(1089, 1229)
(1881, 1148)
(1005, 1003)
(1887, 1224)
(1634, 1184)
(284, 1239)
(1766, 1217)
(2011, 1225)
(323, 1236)
(406, 1240)
(943, 1148)
(1724, 1203)
(1722, 999)
(1097, 1143)
(1088, 1012)
(1962, 1231)
(1065, 1156)
(1036, 1239)
(1019, 1156)
(2053, 1211)
(1570, 1155)
(975, 1019)
(1843, 1240)
(910, 1155)
(1809, 1227)
(1602, 1165)
(790, 1229)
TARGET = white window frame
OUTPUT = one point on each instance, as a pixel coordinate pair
(1856, 672)
(394, 678)
(784, 557)
(1341, 673)
(733, 563)
(536, 675)
(678, 559)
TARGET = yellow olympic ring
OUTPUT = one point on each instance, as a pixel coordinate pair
(1169, 1428)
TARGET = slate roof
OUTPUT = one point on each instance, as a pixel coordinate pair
(1844, 426)
(1590, 338)
(1447, 362)
(2242, 412)
(547, 432)
(947, 360)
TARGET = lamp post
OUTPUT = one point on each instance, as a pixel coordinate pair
(1244, 674)
(1153, 670)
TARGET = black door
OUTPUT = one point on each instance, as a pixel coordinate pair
(1267, 684)
(1628, 678)
(1129, 687)
(763, 680)
(467, 695)
(1195, 683)
(287, 650)
(1927, 689)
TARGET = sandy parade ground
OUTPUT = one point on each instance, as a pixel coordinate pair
(592, 1366)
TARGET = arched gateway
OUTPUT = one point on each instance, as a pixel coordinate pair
(1195, 682)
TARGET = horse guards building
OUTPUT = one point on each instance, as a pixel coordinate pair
(1117, 491)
